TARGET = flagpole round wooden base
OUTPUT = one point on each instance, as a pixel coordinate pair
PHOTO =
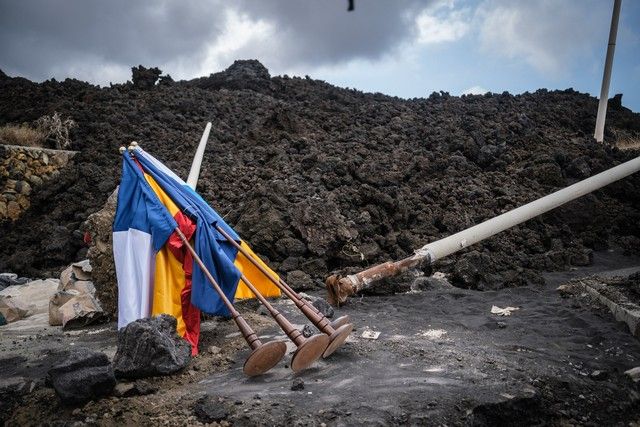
(337, 339)
(308, 352)
(342, 320)
(264, 358)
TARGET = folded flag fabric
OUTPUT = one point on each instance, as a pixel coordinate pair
(156, 274)
(203, 295)
(141, 227)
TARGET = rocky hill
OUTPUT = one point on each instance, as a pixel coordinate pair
(319, 178)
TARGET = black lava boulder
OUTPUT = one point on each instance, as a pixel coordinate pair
(211, 409)
(324, 307)
(150, 347)
(83, 376)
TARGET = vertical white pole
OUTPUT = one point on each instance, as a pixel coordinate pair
(194, 173)
(606, 78)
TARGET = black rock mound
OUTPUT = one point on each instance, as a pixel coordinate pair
(318, 178)
(150, 347)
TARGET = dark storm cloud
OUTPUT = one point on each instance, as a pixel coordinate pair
(321, 32)
(40, 39)
(39, 36)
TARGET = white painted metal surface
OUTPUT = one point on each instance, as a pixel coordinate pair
(606, 77)
(470, 236)
(194, 173)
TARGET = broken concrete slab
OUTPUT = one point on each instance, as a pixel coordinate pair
(26, 300)
(79, 311)
(623, 310)
(82, 286)
(78, 271)
(58, 300)
(75, 304)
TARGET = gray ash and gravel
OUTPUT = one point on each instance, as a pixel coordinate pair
(319, 178)
(441, 358)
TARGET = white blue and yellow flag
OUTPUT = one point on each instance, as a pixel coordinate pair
(156, 274)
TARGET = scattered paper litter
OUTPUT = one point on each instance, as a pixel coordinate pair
(503, 311)
(433, 334)
(371, 335)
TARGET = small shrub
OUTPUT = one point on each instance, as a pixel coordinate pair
(57, 129)
(22, 135)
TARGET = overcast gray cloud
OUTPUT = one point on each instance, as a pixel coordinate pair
(400, 47)
(98, 39)
(547, 34)
(40, 37)
(320, 31)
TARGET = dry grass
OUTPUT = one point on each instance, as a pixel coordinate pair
(47, 129)
(22, 135)
(626, 140)
(628, 144)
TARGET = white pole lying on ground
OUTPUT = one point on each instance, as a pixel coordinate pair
(475, 234)
(194, 173)
(606, 77)
(340, 288)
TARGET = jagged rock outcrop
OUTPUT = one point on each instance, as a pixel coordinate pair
(319, 178)
(145, 78)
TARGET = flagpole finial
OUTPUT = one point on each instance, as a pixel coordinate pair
(132, 146)
(122, 149)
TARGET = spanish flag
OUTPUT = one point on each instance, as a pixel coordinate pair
(169, 281)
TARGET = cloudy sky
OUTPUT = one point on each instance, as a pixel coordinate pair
(407, 48)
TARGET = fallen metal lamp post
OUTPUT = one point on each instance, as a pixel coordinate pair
(264, 356)
(337, 335)
(340, 288)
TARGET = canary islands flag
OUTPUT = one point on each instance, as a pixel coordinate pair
(170, 282)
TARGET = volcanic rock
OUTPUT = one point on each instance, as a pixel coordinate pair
(85, 375)
(320, 179)
(211, 409)
(579, 168)
(436, 281)
(12, 393)
(299, 280)
(298, 384)
(307, 331)
(150, 347)
(11, 279)
(242, 74)
(145, 78)
(324, 307)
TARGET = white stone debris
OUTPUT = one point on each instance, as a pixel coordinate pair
(503, 311)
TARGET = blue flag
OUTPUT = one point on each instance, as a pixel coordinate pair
(211, 246)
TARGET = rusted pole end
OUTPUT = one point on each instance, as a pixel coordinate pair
(339, 289)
